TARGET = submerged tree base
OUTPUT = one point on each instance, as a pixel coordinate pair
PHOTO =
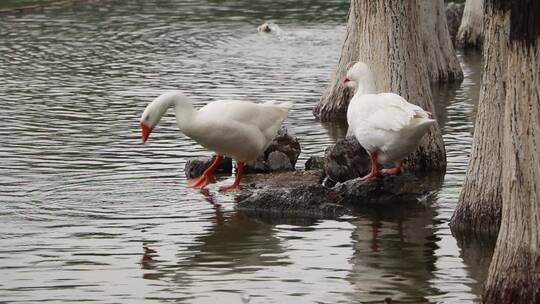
(477, 218)
(518, 282)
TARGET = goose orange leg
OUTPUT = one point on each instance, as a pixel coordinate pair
(203, 180)
(393, 171)
(236, 184)
(374, 167)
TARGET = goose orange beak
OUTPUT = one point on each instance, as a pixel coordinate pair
(145, 131)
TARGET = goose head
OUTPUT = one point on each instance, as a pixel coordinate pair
(157, 108)
(359, 76)
(150, 118)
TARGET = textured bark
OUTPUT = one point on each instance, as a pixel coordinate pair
(514, 274)
(437, 49)
(470, 31)
(454, 13)
(384, 35)
(479, 206)
(335, 100)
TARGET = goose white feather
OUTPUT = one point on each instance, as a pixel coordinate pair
(239, 129)
(385, 124)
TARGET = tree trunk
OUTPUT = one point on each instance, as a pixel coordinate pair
(429, 28)
(470, 31)
(437, 49)
(384, 35)
(479, 205)
(335, 100)
(514, 274)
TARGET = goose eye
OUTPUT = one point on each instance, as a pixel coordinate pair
(147, 118)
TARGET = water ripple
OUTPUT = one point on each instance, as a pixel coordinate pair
(90, 213)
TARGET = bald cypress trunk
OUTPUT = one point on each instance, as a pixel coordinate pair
(470, 33)
(436, 44)
(385, 35)
(514, 274)
(479, 205)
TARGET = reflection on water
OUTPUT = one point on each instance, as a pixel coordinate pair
(394, 255)
(90, 213)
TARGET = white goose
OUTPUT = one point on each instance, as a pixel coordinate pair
(385, 124)
(239, 129)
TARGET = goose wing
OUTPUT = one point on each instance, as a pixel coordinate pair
(266, 117)
(393, 112)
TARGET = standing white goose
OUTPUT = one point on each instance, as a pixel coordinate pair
(385, 124)
(239, 129)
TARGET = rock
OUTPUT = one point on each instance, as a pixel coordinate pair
(279, 161)
(264, 28)
(195, 168)
(269, 27)
(286, 143)
(383, 189)
(346, 160)
(281, 180)
(299, 193)
(315, 163)
(257, 166)
(306, 200)
(454, 12)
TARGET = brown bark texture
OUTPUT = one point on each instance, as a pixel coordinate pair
(479, 205)
(384, 35)
(437, 49)
(514, 274)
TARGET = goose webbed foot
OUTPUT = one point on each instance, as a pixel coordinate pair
(374, 167)
(236, 185)
(207, 176)
(200, 182)
(398, 169)
(232, 187)
(370, 175)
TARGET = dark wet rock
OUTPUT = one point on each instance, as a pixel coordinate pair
(195, 167)
(315, 163)
(279, 161)
(346, 160)
(257, 166)
(284, 143)
(287, 144)
(280, 180)
(307, 200)
(299, 193)
(383, 189)
(454, 12)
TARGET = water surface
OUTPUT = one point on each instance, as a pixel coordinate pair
(88, 213)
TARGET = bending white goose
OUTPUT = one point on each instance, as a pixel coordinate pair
(385, 124)
(239, 129)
